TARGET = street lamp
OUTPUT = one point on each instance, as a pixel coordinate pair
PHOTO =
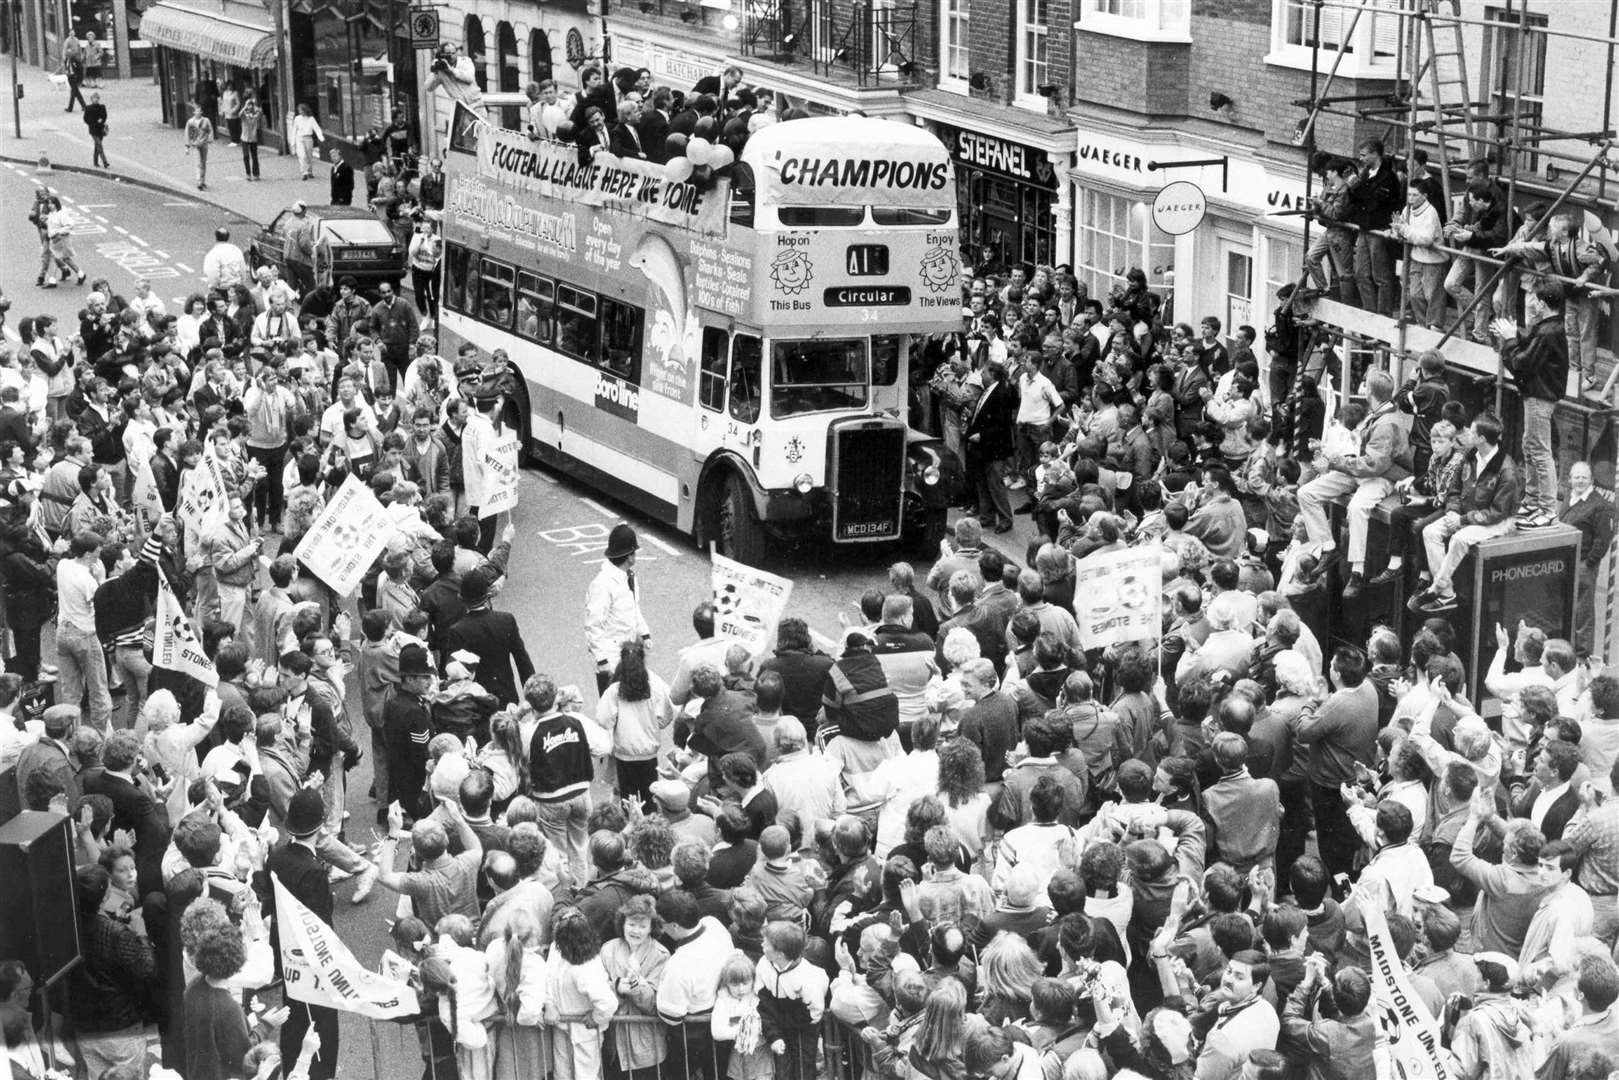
(15, 10)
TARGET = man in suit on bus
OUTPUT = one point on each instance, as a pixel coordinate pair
(990, 446)
(654, 125)
(625, 141)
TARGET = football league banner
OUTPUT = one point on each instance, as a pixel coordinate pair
(1413, 1037)
(747, 603)
(500, 469)
(174, 645)
(346, 538)
(320, 969)
(148, 504)
(1117, 597)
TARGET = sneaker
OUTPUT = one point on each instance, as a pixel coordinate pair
(367, 881)
(1387, 575)
(1445, 601)
(1017, 484)
(1354, 585)
(82, 277)
(49, 285)
(337, 873)
(1538, 520)
(1420, 597)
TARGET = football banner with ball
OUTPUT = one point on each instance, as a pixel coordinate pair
(1116, 597)
(748, 603)
(347, 536)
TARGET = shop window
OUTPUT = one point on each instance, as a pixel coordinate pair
(711, 374)
(536, 304)
(576, 323)
(496, 293)
(1506, 49)
(747, 389)
(510, 75)
(1141, 20)
(1370, 43)
(1115, 234)
(457, 261)
(1284, 260)
(476, 47)
(621, 327)
(955, 50)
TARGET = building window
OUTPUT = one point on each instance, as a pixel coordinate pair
(1032, 69)
(1142, 20)
(1368, 38)
(954, 56)
(1283, 260)
(1506, 49)
(1115, 234)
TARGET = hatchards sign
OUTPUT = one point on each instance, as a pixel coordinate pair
(1002, 157)
(1179, 207)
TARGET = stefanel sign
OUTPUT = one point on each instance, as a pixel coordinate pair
(1002, 157)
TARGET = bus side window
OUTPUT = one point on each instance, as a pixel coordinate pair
(711, 380)
(885, 354)
(621, 326)
(498, 279)
(746, 391)
(742, 191)
(535, 307)
(576, 323)
(457, 259)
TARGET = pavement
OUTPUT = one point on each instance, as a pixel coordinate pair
(146, 152)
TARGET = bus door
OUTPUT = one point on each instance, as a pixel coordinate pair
(730, 393)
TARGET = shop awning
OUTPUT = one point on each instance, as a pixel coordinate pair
(201, 33)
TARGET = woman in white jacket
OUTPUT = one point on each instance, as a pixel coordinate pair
(306, 138)
(635, 709)
(581, 997)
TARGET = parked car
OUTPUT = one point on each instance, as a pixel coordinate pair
(350, 241)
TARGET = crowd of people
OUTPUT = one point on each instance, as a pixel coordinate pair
(957, 844)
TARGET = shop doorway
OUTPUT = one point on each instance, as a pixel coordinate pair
(1237, 272)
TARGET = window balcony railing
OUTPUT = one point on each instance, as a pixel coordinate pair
(874, 44)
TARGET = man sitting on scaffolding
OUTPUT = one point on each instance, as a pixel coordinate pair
(1367, 478)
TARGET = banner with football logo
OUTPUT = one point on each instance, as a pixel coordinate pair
(1411, 1033)
(320, 970)
(347, 537)
(203, 493)
(500, 475)
(1116, 597)
(747, 603)
(174, 645)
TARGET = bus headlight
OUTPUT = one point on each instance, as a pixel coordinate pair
(930, 475)
(804, 483)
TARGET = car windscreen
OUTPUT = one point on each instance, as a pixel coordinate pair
(358, 231)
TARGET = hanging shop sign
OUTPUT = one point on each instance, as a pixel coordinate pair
(1179, 208)
(423, 28)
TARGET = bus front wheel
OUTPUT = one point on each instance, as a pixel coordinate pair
(929, 528)
(740, 534)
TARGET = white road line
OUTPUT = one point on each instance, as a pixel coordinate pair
(183, 266)
(160, 254)
(661, 545)
(179, 204)
(121, 229)
(101, 219)
(596, 506)
(138, 240)
(97, 206)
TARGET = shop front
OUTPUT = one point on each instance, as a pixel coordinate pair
(1220, 245)
(677, 66)
(1009, 179)
(200, 54)
(353, 66)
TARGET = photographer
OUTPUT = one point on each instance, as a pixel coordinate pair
(458, 75)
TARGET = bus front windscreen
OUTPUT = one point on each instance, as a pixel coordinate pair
(817, 375)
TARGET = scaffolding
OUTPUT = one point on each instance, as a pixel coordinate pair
(1431, 50)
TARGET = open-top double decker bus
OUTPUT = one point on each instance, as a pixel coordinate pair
(728, 352)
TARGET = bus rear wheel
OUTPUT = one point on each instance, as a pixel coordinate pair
(739, 534)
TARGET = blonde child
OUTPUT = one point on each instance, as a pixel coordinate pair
(736, 1020)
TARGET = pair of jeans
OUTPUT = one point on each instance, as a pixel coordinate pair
(202, 163)
(425, 284)
(1364, 492)
(563, 823)
(131, 661)
(1448, 541)
(1425, 291)
(1580, 324)
(1374, 273)
(250, 159)
(1404, 520)
(1335, 836)
(74, 82)
(1540, 465)
(99, 157)
(989, 480)
(267, 496)
(1465, 273)
(83, 670)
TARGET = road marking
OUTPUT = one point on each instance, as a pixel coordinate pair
(596, 506)
(99, 218)
(135, 261)
(184, 267)
(584, 541)
(98, 206)
(660, 544)
(179, 204)
(160, 254)
(138, 240)
(121, 229)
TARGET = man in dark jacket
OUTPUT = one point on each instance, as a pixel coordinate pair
(990, 446)
(442, 599)
(857, 698)
(299, 869)
(1372, 203)
(1537, 356)
(407, 727)
(493, 635)
(1484, 224)
(14, 421)
(398, 325)
(560, 771)
(121, 610)
(135, 807)
(1478, 507)
(1423, 396)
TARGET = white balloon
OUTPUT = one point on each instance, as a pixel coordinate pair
(721, 156)
(698, 150)
(677, 170)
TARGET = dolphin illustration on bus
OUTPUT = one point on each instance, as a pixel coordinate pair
(742, 374)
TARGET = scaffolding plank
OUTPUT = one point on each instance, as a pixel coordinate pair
(1479, 359)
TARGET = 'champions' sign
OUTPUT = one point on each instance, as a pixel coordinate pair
(809, 179)
(551, 170)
